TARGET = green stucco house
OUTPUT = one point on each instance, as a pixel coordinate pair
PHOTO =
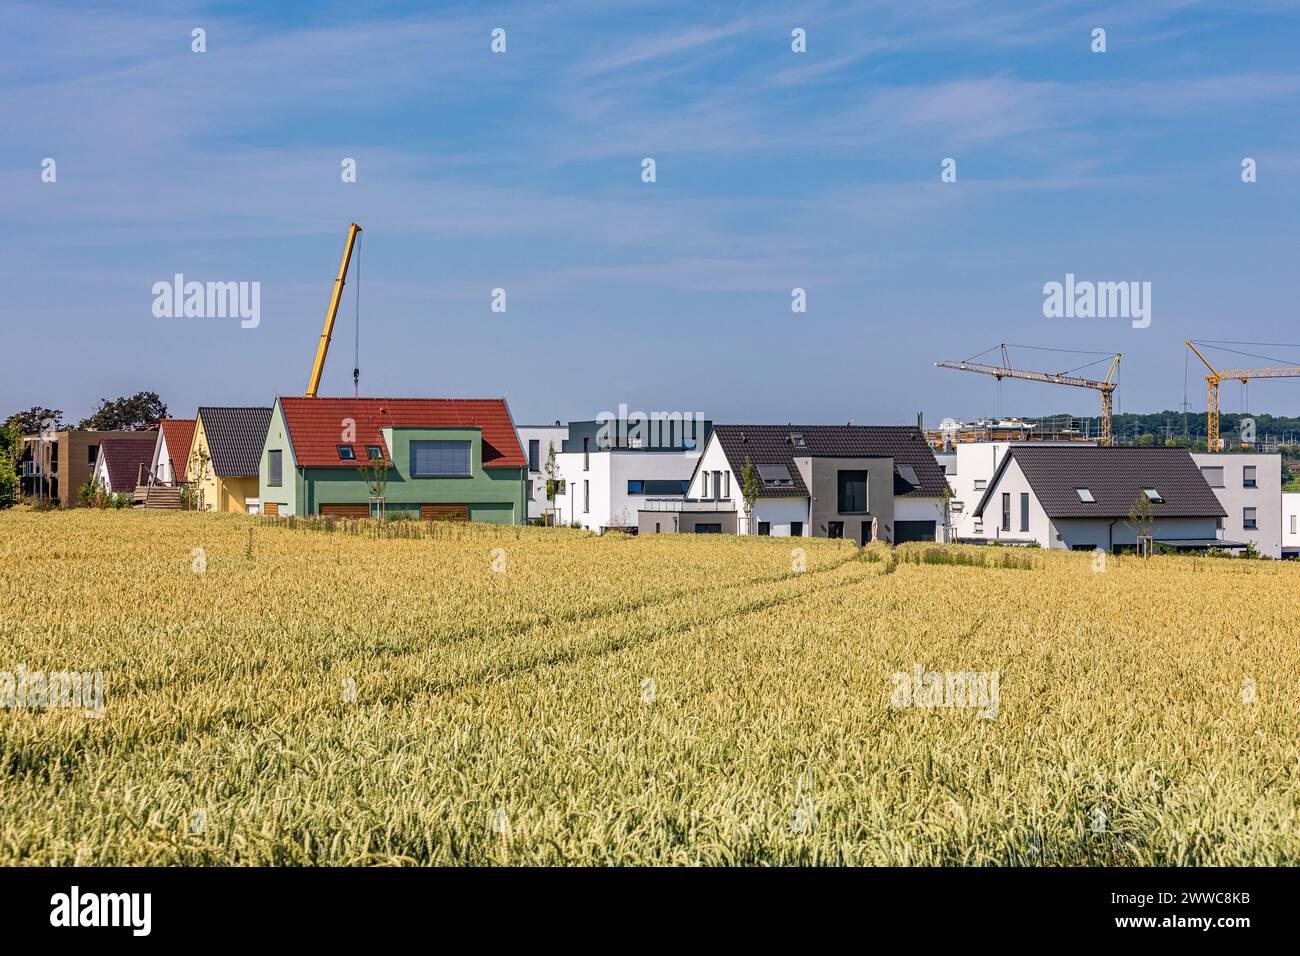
(444, 458)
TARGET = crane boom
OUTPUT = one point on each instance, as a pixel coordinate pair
(323, 348)
(1106, 386)
(1217, 377)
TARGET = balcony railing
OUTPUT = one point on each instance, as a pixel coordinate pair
(688, 504)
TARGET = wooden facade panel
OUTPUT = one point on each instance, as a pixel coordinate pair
(444, 512)
(270, 508)
(346, 510)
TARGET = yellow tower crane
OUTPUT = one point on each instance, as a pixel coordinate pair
(1213, 380)
(323, 348)
(1106, 386)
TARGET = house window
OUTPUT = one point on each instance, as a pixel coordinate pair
(717, 484)
(981, 484)
(1153, 496)
(957, 506)
(727, 487)
(852, 492)
(835, 529)
(346, 453)
(586, 454)
(1006, 511)
(1293, 524)
(1248, 518)
(534, 454)
(701, 528)
(1213, 475)
(92, 452)
(1024, 511)
(685, 485)
(1085, 496)
(1248, 476)
(275, 468)
(635, 487)
(439, 458)
(586, 496)
(656, 527)
(765, 527)
(704, 484)
(375, 452)
(796, 529)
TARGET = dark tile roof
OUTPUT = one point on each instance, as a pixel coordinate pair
(1115, 476)
(314, 426)
(123, 458)
(235, 439)
(773, 444)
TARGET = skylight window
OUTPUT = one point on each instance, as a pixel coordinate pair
(797, 440)
(1085, 496)
(1152, 495)
(375, 452)
(775, 476)
(346, 453)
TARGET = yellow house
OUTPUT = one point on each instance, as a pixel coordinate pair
(225, 454)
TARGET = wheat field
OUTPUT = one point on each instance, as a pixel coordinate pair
(277, 695)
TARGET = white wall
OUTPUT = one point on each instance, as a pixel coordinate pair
(161, 466)
(921, 509)
(1265, 498)
(544, 435)
(779, 512)
(1291, 523)
(1014, 482)
(607, 476)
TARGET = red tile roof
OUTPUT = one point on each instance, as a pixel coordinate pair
(316, 426)
(178, 433)
(123, 458)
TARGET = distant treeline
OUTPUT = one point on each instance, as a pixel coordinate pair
(1171, 427)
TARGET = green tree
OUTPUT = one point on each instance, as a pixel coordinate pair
(1140, 519)
(11, 451)
(552, 471)
(129, 413)
(749, 489)
(29, 422)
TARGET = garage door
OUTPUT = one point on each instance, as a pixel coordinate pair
(346, 511)
(444, 512)
(913, 531)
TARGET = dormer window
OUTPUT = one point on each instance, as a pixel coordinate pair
(797, 440)
(346, 453)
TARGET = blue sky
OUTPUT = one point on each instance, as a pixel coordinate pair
(522, 170)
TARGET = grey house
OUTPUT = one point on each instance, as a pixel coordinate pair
(1079, 497)
(823, 481)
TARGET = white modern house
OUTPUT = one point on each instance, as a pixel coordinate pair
(1249, 486)
(1079, 498)
(827, 481)
(612, 467)
(536, 441)
(968, 468)
(1291, 524)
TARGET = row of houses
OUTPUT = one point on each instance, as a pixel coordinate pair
(465, 459)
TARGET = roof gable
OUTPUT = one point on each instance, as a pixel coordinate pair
(122, 460)
(176, 434)
(769, 445)
(315, 426)
(1115, 479)
(235, 437)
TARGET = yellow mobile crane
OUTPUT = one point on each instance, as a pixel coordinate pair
(323, 348)
(1106, 386)
(1213, 380)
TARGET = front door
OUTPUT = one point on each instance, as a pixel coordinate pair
(866, 532)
